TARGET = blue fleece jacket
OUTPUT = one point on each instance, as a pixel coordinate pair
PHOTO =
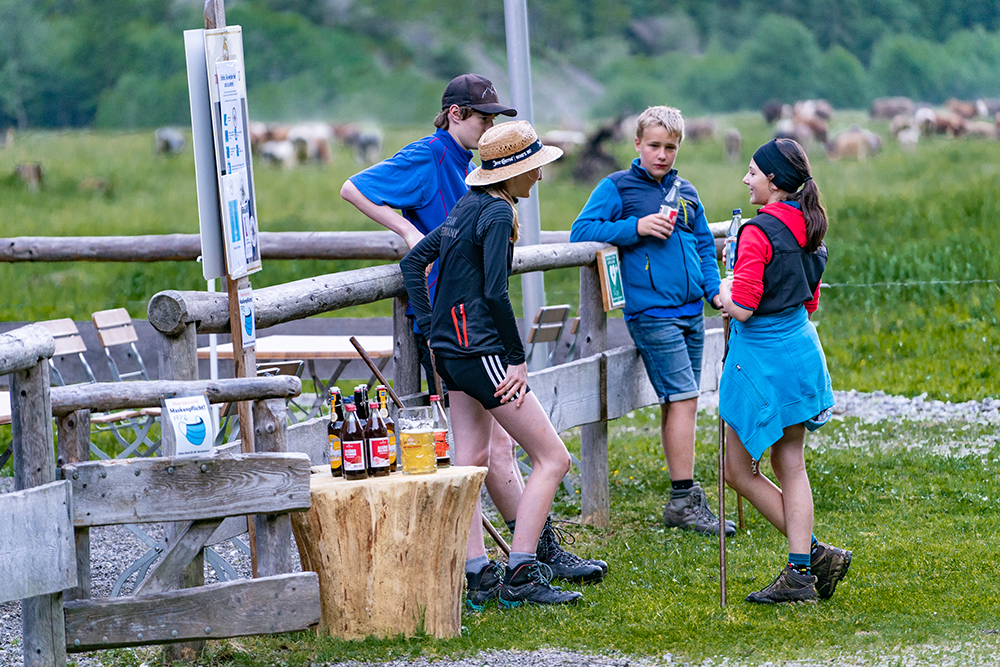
(663, 278)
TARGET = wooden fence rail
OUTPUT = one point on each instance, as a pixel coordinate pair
(44, 547)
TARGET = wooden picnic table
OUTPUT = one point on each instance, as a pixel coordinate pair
(284, 347)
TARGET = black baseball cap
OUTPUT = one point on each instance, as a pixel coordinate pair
(473, 90)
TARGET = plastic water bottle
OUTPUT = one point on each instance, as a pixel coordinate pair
(734, 230)
(671, 203)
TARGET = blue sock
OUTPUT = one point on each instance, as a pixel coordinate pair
(518, 558)
(813, 544)
(476, 564)
(799, 562)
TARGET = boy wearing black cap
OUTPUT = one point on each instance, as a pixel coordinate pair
(423, 181)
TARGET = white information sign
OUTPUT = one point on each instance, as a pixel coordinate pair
(247, 316)
(230, 124)
(191, 421)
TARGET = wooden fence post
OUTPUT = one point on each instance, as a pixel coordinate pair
(73, 446)
(273, 531)
(406, 359)
(43, 623)
(178, 360)
(595, 501)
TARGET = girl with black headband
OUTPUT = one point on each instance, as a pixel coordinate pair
(775, 384)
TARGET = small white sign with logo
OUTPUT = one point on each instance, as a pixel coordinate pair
(247, 317)
(190, 420)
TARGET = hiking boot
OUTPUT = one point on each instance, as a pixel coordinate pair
(788, 586)
(691, 512)
(528, 584)
(566, 565)
(482, 587)
(829, 564)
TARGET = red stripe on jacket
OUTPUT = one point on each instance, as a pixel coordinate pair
(755, 254)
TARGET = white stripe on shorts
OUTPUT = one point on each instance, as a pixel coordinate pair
(498, 365)
(489, 371)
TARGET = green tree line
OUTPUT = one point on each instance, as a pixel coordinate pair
(120, 63)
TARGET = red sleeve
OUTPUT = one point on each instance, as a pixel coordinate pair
(813, 303)
(752, 255)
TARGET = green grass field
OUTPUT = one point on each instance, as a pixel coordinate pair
(926, 218)
(921, 526)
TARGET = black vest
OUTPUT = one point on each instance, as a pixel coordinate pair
(792, 275)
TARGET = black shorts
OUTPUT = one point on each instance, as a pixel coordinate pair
(476, 376)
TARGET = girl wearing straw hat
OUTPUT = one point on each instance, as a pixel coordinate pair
(775, 383)
(474, 336)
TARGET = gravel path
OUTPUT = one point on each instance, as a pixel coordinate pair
(114, 548)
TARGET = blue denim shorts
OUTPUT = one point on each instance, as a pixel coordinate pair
(671, 349)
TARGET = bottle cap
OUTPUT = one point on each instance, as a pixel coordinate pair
(373, 405)
(737, 211)
(351, 407)
(435, 397)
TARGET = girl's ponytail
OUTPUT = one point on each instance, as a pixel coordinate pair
(807, 196)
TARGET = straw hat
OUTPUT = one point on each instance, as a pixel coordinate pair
(509, 149)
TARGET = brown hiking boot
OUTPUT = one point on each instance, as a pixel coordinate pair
(829, 564)
(789, 586)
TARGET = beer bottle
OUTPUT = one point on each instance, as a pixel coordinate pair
(383, 408)
(333, 433)
(352, 441)
(361, 403)
(378, 442)
(440, 432)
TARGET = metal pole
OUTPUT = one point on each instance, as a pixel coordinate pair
(519, 71)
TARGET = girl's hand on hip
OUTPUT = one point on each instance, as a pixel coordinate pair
(514, 384)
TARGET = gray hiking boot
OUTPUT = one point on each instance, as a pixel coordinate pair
(691, 512)
(829, 564)
(789, 586)
(566, 565)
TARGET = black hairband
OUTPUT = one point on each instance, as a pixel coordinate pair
(771, 160)
(513, 159)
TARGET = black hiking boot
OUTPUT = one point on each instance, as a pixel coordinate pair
(528, 584)
(482, 587)
(566, 565)
(788, 586)
(829, 564)
(691, 512)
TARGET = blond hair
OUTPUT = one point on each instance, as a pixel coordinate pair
(668, 118)
(499, 190)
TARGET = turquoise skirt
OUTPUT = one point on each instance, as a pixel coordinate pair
(775, 376)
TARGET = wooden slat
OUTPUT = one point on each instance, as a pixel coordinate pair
(61, 327)
(549, 314)
(570, 393)
(233, 609)
(545, 333)
(37, 553)
(629, 387)
(69, 345)
(310, 438)
(115, 317)
(185, 546)
(177, 489)
(232, 527)
(117, 335)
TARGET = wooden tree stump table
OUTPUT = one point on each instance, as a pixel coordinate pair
(389, 551)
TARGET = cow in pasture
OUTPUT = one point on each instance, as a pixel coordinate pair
(939, 121)
(259, 134)
(903, 127)
(278, 153)
(731, 145)
(699, 129)
(855, 143)
(988, 107)
(966, 110)
(169, 141)
(771, 110)
(982, 129)
(312, 142)
(594, 161)
(889, 107)
(366, 142)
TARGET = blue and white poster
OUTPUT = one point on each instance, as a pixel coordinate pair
(191, 421)
(248, 324)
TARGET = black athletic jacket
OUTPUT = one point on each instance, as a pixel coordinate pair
(472, 315)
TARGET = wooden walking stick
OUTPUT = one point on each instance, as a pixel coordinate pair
(399, 404)
(722, 481)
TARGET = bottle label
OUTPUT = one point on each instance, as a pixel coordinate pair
(333, 449)
(354, 455)
(730, 255)
(670, 212)
(380, 452)
(384, 412)
(441, 444)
